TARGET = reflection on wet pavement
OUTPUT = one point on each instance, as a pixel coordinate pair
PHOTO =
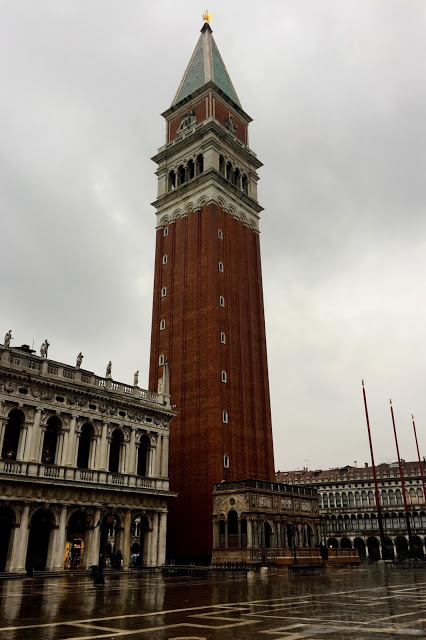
(362, 603)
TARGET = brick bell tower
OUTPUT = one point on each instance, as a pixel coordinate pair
(208, 317)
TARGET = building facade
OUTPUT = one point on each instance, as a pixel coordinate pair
(349, 517)
(256, 522)
(83, 467)
(208, 317)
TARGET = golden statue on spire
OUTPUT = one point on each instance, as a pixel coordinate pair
(207, 17)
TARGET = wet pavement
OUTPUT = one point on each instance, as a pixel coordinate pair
(362, 603)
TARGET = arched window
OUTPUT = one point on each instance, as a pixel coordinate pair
(191, 170)
(364, 498)
(181, 175)
(371, 499)
(233, 529)
(244, 183)
(331, 499)
(391, 497)
(229, 171)
(11, 435)
(351, 499)
(115, 451)
(338, 500)
(385, 499)
(172, 180)
(84, 445)
(357, 499)
(398, 496)
(50, 441)
(236, 178)
(200, 164)
(143, 452)
(325, 500)
(344, 499)
(222, 165)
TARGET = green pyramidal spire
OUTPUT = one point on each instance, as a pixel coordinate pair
(206, 65)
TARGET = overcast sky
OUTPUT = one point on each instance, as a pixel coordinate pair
(338, 95)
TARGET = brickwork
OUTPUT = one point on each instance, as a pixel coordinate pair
(221, 112)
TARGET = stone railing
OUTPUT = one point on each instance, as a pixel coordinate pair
(58, 371)
(37, 470)
(263, 485)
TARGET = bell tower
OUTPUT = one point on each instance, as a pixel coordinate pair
(208, 316)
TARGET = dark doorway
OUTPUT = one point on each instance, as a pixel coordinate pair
(233, 541)
(416, 548)
(268, 535)
(359, 545)
(11, 435)
(7, 520)
(401, 545)
(373, 549)
(144, 446)
(345, 543)
(115, 450)
(387, 549)
(333, 543)
(140, 528)
(76, 532)
(107, 549)
(50, 441)
(38, 539)
(84, 443)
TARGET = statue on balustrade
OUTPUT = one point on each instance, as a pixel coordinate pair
(8, 338)
(108, 370)
(79, 360)
(44, 349)
(136, 378)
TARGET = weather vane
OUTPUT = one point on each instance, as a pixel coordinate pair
(207, 17)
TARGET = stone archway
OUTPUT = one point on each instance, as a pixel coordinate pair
(139, 548)
(76, 538)
(416, 547)
(359, 545)
(12, 435)
(7, 523)
(373, 549)
(38, 540)
(401, 545)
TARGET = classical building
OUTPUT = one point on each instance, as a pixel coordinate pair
(83, 466)
(348, 508)
(257, 521)
(208, 316)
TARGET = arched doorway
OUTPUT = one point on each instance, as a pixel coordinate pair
(143, 452)
(345, 543)
(50, 440)
(38, 539)
(401, 545)
(233, 541)
(359, 545)
(139, 549)
(268, 535)
(74, 547)
(373, 549)
(7, 521)
(416, 547)
(115, 451)
(333, 543)
(84, 446)
(108, 548)
(387, 549)
(12, 434)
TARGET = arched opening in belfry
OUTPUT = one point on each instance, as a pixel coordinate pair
(181, 174)
(268, 535)
(236, 178)
(244, 183)
(76, 533)
(229, 171)
(172, 181)
(84, 444)
(191, 169)
(222, 165)
(233, 541)
(139, 547)
(38, 540)
(50, 440)
(12, 434)
(143, 453)
(115, 451)
(200, 164)
(7, 522)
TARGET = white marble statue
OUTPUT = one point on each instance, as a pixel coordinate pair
(79, 360)
(8, 338)
(108, 370)
(44, 349)
(136, 378)
(160, 385)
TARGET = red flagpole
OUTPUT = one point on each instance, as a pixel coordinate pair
(407, 516)
(418, 454)
(376, 486)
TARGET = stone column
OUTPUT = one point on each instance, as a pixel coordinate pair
(249, 533)
(20, 543)
(35, 436)
(93, 541)
(40, 444)
(22, 441)
(165, 457)
(71, 444)
(226, 534)
(127, 539)
(152, 558)
(94, 445)
(59, 456)
(103, 450)
(158, 456)
(131, 464)
(122, 464)
(239, 531)
(216, 535)
(162, 533)
(3, 422)
(56, 551)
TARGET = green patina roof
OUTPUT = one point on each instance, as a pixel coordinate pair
(206, 64)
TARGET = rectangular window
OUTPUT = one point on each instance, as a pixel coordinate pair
(222, 301)
(221, 267)
(225, 417)
(162, 325)
(223, 338)
(161, 360)
(223, 376)
(166, 231)
(220, 234)
(163, 292)
(164, 259)
(226, 461)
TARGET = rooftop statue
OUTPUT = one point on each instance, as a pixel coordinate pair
(79, 360)
(8, 338)
(136, 378)
(108, 370)
(44, 349)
